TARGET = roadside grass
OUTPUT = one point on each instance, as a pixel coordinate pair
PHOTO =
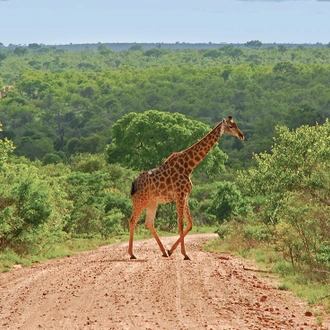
(9, 259)
(271, 265)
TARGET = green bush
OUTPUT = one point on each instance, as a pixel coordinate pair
(289, 188)
(228, 203)
(31, 210)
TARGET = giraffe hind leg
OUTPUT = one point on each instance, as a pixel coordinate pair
(132, 224)
(149, 223)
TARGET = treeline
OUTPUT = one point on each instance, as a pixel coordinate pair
(18, 59)
(119, 46)
(63, 113)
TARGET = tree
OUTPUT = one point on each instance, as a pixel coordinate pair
(6, 147)
(51, 159)
(96, 205)
(87, 92)
(289, 188)
(104, 50)
(35, 148)
(294, 162)
(143, 141)
(232, 51)
(285, 68)
(3, 56)
(34, 46)
(156, 52)
(32, 209)
(253, 44)
(227, 202)
(33, 86)
(282, 48)
(20, 51)
(136, 47)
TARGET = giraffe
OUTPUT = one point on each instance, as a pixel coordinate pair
(170, 182)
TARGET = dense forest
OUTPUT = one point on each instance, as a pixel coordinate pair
(66, 102)
(79, 125)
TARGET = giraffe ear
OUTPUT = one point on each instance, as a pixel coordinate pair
(224, 120)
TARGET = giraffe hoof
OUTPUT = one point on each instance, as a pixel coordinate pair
(133, 257)
(169, 253)
(186, 257)
(165, 255)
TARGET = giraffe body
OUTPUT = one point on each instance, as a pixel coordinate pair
(170, 182)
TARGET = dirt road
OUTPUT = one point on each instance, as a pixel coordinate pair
(103, 289)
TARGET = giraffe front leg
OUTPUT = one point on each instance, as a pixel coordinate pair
(188, 228)
(180, 208)
(183, 247)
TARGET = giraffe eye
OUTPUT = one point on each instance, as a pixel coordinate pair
(230, 126)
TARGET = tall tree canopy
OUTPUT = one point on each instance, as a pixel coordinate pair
(143, 141)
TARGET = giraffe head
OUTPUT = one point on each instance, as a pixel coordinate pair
(230, 127)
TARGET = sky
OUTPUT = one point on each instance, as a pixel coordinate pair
(56, 22)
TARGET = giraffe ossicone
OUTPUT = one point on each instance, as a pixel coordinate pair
(170, 182)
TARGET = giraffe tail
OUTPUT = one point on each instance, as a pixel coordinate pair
(133, 188)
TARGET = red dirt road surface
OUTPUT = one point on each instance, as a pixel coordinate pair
(104, 289)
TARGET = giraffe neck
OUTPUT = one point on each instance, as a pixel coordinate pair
(197, 152)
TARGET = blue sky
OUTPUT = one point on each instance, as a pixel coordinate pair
(230, 21)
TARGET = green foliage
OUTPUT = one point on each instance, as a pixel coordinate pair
(100, 197)
(87, 163)
(254, 44)
(68, 101)
(290, 192)
(51, 159)
(43, 205)
(32, 209)
(298, 162)
(323, 253)
(6, 148)
(87, 191)
(227, 202)
(111, 223)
